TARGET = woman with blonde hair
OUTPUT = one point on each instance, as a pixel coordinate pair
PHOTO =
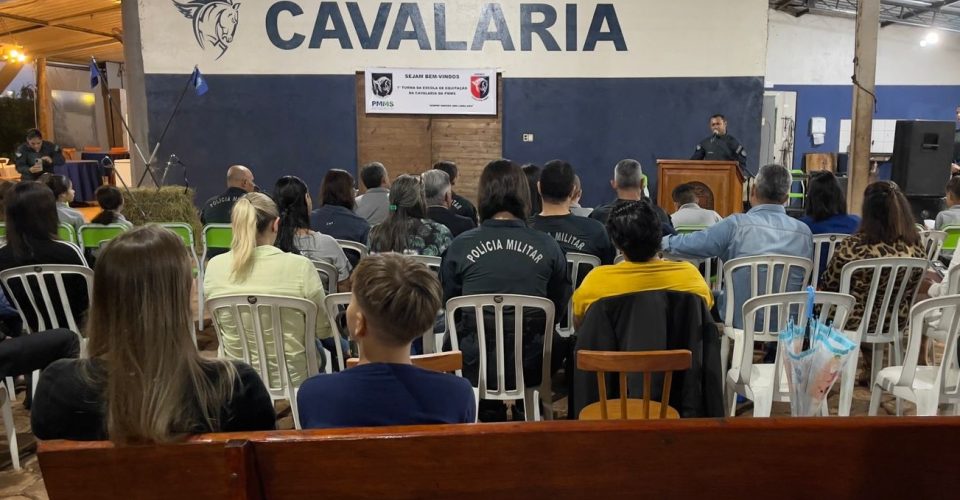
(255, 266)
(144, 381)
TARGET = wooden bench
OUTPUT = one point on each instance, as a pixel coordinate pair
(881, 457)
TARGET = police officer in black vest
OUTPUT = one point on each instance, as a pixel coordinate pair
(37, 156)
(504, 256)
(721, 146)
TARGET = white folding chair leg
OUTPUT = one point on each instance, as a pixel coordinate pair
(724, 358)
(11, 433)
(294, 410)
(875, 394)
(33, 383)
(847, 381)
(730, 399)
(531, 405)
(11, 393)
(762, 403)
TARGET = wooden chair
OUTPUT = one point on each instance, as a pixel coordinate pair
(446, 362)
(647, 362)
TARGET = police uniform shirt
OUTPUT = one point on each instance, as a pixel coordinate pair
(577, 234)
(464, 208)
(721, 148)
(505, 256)
(26, 157)
(217, 209)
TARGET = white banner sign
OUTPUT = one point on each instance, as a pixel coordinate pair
(431, 91)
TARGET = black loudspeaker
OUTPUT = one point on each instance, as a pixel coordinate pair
(925, 207)
(921, 157)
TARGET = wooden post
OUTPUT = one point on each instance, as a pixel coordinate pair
(864, 89)
(44, 106)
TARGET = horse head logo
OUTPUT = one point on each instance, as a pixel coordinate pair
(214, 21)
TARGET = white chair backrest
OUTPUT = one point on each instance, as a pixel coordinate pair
(431, 261)
(932, 243)
(706, 263)
(353, 246)
(328, 275)
(947, 378)
(76, 249)
(773, 270)
(40, 284)
(497, 302)
(779, 309)
(619, 258)
(823, 247)
(576, 262)
(247, 313)
(900, 270)
(335, 303)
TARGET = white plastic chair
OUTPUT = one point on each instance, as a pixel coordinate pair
(772, 266)
(431, 261)
(39, 294)
(531, 395)
(76, 249)
(353, 246)
(888, 329)
(932, 241)
(925, 386)
(334, 303)
(764, 383)
(328, 275)
(248, 312)
(706, 263)
(8, 424)
(821, 242)
(576, 262)
(936, 331)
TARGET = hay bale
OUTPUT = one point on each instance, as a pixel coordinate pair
(168, 204)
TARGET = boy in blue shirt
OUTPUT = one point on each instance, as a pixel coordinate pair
(395, 300)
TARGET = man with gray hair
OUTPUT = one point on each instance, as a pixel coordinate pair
(765, 230)
(439, 193)
(374, 204)
(630, 185)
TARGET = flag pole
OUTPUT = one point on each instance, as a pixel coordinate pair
(170, 120)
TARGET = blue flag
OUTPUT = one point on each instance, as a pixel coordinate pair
(94, 75)
(199, 82)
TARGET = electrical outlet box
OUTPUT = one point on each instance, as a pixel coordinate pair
(527, 137)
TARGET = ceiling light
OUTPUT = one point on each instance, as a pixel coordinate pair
(924, 43)
(933, 37)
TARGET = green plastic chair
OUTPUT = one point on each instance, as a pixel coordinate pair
(3, 230)
(217, 236)
(689, 229)
(95, 235)
(185, 232)
(798, 176)
(953, 236)
(66, 232)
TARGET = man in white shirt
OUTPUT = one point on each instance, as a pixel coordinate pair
(688, 211)
(374, 205)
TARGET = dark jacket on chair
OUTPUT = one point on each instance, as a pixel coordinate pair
(648, 321)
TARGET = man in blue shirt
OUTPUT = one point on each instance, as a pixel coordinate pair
(765, 230)
(395, 300)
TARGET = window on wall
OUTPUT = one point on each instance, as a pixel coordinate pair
(74, 118)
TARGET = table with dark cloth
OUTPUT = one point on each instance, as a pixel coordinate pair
(85, 176)
(98, 156)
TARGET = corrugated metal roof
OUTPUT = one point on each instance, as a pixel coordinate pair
(941, 14)
(64, 30)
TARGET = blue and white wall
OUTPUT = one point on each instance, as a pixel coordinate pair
(813, 56)
(594, 82)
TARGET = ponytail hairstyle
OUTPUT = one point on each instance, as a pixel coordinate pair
(110, 200)
(57, 183)
(887, 217)
(251, 216)
(290, 194)
(408, 206)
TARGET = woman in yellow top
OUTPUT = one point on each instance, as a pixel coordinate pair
(254, 266)
(635, 230)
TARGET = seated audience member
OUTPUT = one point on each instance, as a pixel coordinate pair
(21, 355)
(255, 266)
(688, 211)
(62, 188)
(629, 184)
(573, 233)
(295, 235)
(334, 217)
(950, 216)
(635, 230)
(374, 204)
(394, 301)
(575, 207)
(110, 200)
(437, 189)
(765, 230)
(504, 256)
(407, 229)
(533, 177)
(826, 207)
(31, 223)
(144, 381)
(217, 210)
(887, 230)
(462, 206)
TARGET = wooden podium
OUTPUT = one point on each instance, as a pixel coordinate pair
(719, 184)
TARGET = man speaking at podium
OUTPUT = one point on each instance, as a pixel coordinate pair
(721, 146)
